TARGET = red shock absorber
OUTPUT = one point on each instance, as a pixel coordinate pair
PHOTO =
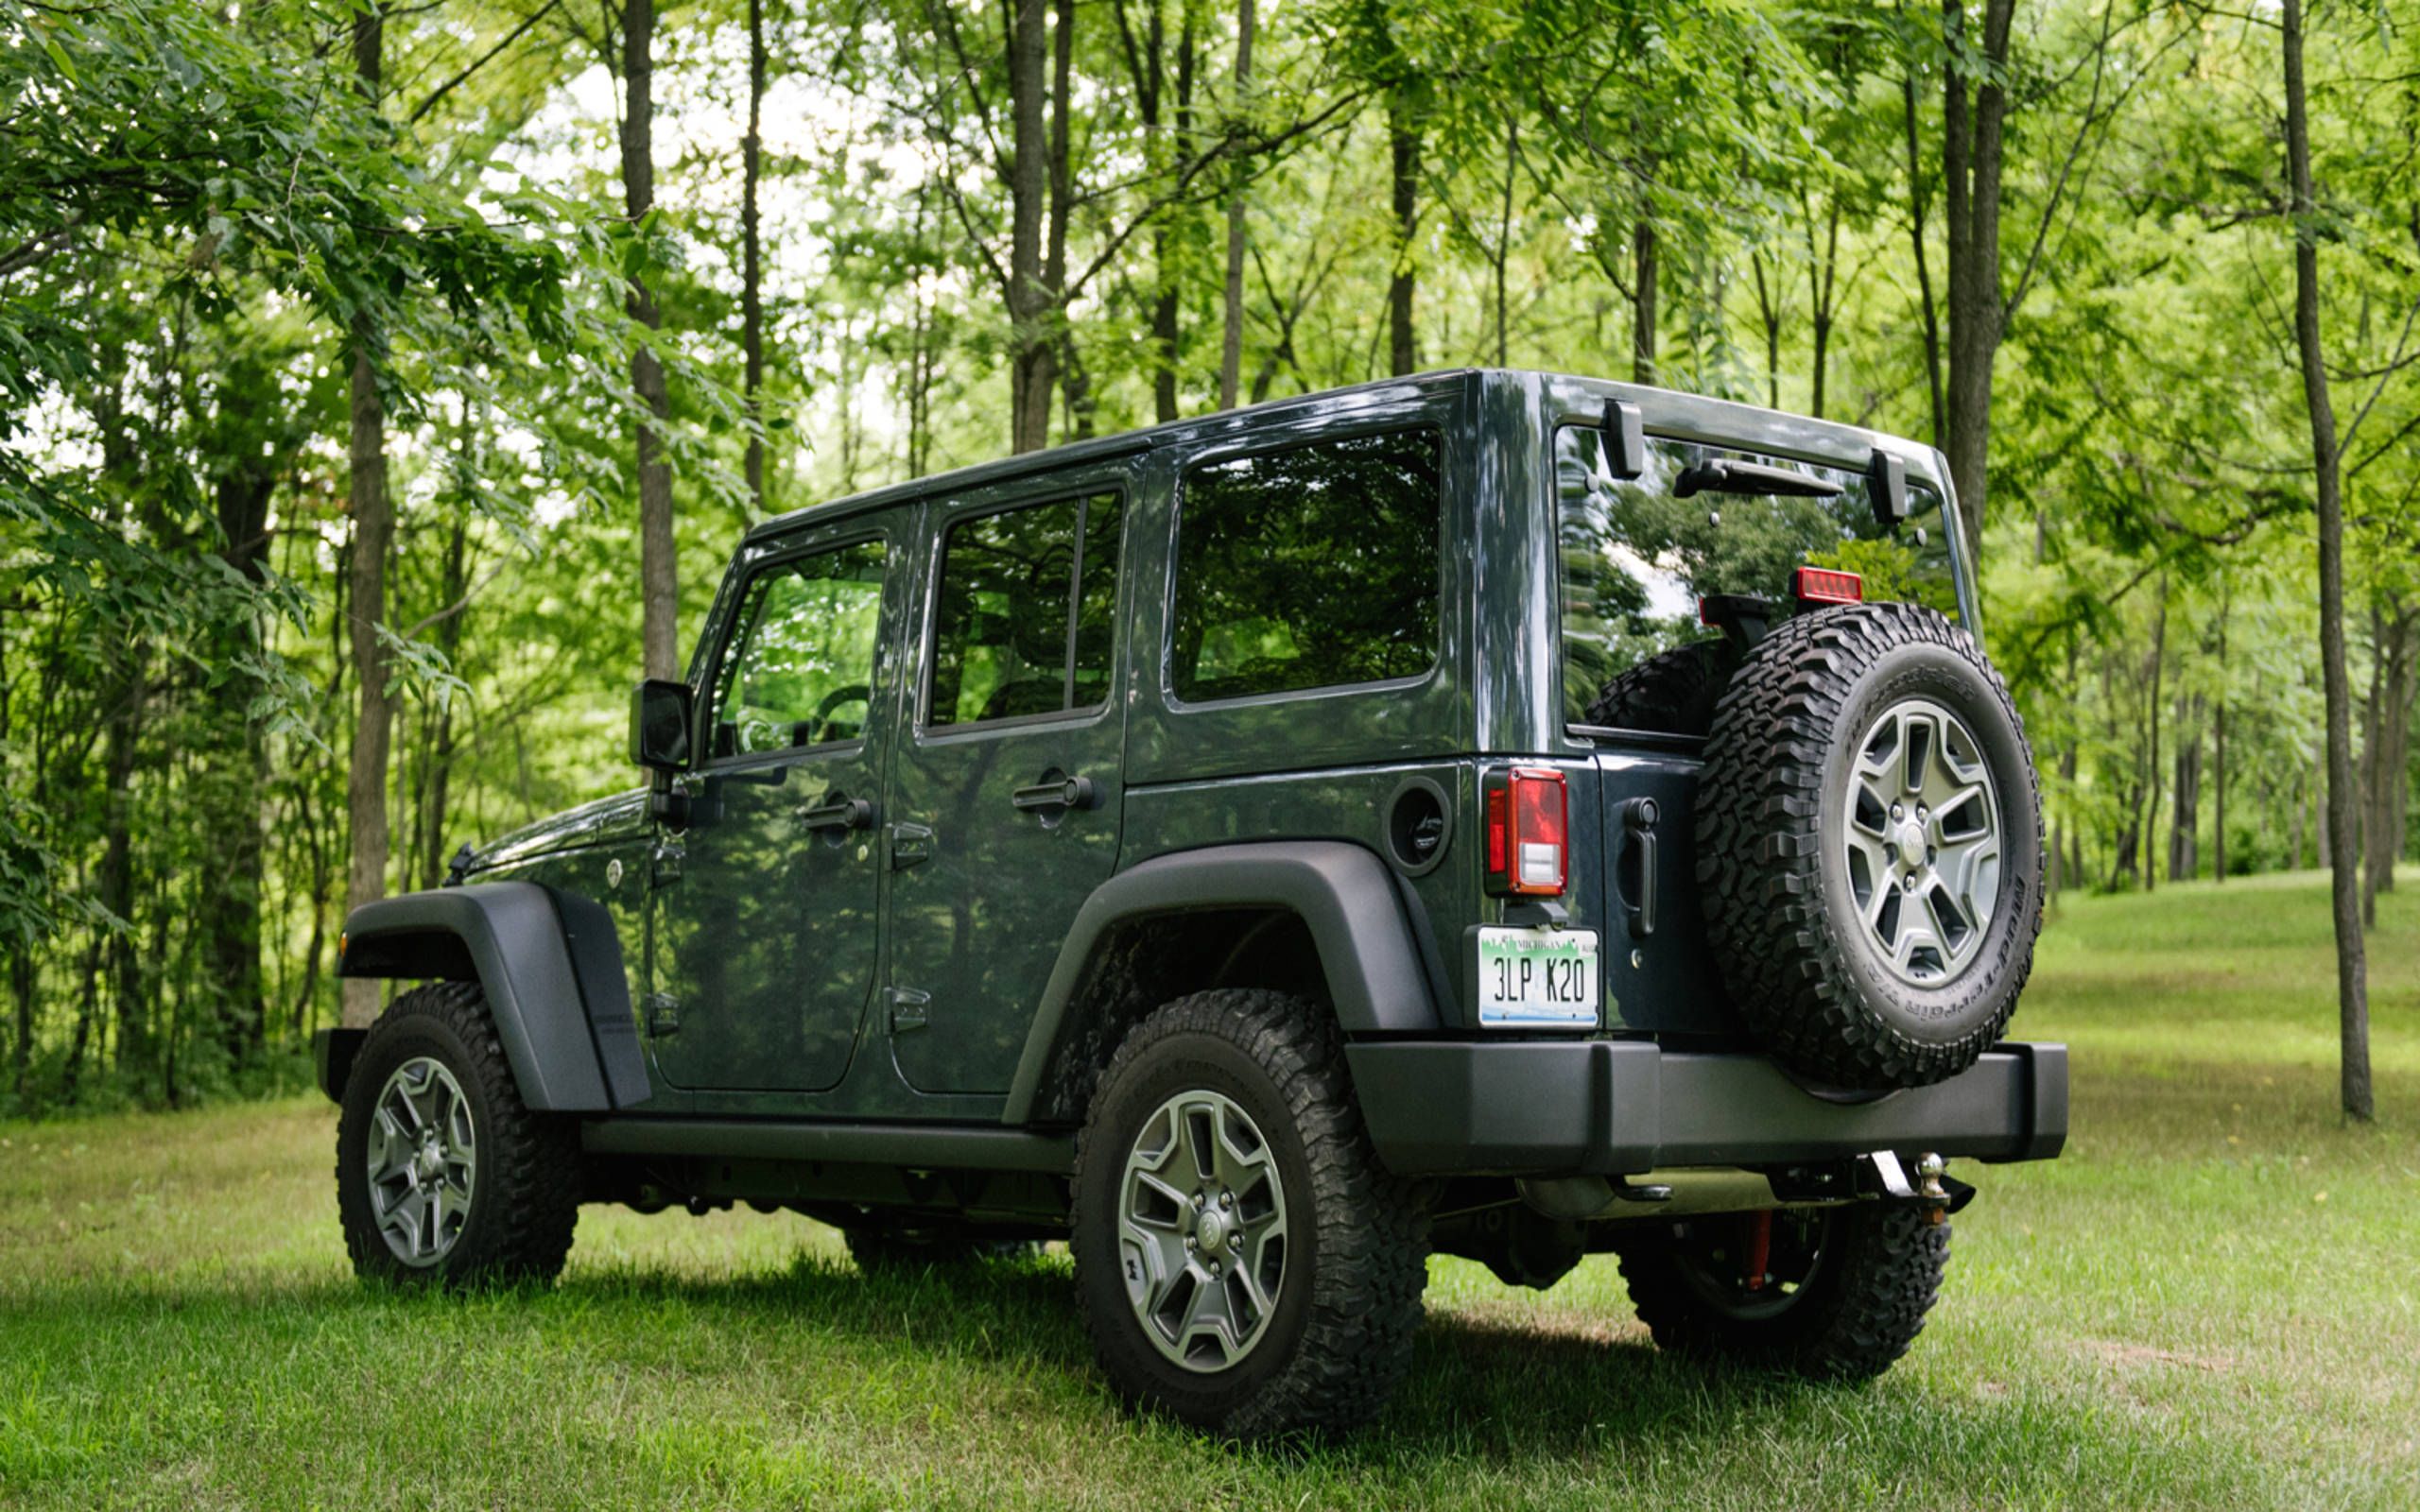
(1760, 1248)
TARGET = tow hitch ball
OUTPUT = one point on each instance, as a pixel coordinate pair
(1934, 1189)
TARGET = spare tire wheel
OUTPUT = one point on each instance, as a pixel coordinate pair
(1868, 846)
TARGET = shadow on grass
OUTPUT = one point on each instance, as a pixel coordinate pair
(1485, 1398)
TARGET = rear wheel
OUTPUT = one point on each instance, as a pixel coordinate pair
(443, 1177)
(1243, 1261)
(1835, 1294)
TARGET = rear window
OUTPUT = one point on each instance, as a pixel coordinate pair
(1309, 568)
(1637, 559)
(1028, 597)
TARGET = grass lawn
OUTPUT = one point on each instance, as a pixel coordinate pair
(2209, 1301)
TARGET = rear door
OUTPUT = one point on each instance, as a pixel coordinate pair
(1642, 668)
(1005, 792)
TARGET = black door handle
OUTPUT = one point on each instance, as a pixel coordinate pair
(1055, 794)
(838, 814)
(1638, 834)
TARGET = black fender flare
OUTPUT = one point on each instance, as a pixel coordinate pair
(1343, 892)
(551, 964)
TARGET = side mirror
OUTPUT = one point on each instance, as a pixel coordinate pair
(660, 720)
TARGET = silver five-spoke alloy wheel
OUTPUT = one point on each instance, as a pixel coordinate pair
(1923, 841)
(1202, 1231)
(424, 1162)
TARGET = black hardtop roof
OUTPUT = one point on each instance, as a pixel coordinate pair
(1669, 411)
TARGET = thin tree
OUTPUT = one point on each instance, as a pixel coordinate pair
(1231, 346)
(751, 287)
(372, 531)
(659, 579)
(2352, 969)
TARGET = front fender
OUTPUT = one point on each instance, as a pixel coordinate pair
(1343, 893)
(551, 966)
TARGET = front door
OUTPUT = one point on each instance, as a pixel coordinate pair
(761, 945)
(1005, 792)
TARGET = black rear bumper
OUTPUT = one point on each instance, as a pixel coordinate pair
(1612, 1106)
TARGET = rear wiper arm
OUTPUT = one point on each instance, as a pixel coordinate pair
(1750, 477)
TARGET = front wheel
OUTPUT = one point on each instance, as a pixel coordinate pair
(1243, 1261)
(1834, 1293)
(442, 1175)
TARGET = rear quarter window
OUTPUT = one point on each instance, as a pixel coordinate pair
(1312, 567)
(1636, 559)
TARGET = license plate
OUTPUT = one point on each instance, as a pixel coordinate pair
(1537, 976)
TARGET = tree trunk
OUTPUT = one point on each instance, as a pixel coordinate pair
(1973, 152)
(752, 275)
(372, 530)
(2219, 761)
(1403, 144)
(2185, 814)
(1642, 295)
(2352, 969)
(1231, 343)
(1918, 202)
(231, 827)
(659, 569)
(1033, 378)
(2150, 783)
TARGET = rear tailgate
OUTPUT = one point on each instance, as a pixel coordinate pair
(1657, 972)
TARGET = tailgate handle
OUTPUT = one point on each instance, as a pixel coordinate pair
(1638, 836)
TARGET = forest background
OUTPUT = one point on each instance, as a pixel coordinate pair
(384, 383)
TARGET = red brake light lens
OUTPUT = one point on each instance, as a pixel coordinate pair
(1528, 831)
(1823, 585)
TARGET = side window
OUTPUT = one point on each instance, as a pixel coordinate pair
(1309, 568)
(798, 669)
(1026, 621)
(1639, 553)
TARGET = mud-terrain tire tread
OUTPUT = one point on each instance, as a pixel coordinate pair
(529, 1178)
(1672, 692)
(1372, 1227)
(1882, 1282)
(1759, 883)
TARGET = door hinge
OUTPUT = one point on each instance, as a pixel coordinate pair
(663, 1015)
(908, 1009)
(665, 865)
(911, 845)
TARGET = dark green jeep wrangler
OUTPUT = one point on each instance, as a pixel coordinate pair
(1506, 814)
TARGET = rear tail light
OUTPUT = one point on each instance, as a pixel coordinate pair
(1823, 585)
(1529, 830)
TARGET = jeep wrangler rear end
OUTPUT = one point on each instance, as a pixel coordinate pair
(1501, 814)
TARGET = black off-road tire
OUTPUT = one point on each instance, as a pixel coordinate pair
(525, 1198)
(1780, 921)
(1339, 1338)
(1857, 1312)
(1672, 692)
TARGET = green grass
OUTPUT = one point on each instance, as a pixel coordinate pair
(2208, 1302)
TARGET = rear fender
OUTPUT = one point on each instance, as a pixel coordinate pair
(1342, 893)
(551, 966)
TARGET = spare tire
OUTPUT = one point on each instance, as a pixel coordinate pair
(1672, 692)
(1868, 846)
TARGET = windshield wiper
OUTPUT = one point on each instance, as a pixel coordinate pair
(1750, 477)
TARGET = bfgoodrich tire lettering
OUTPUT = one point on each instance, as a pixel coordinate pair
(525, 1199)
(1782, 919)
(1339, 1335)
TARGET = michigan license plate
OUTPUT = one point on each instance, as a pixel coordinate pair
(1537, 976)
